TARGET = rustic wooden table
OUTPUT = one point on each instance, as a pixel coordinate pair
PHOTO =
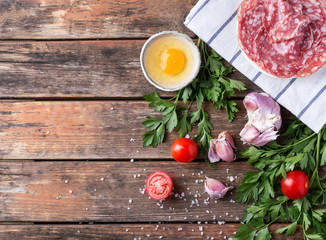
(70, 121)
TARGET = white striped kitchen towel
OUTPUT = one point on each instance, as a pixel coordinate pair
(215, 21)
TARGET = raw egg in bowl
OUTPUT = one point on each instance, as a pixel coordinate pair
(170, 60)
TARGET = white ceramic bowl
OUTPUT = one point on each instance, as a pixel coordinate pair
(192, 45)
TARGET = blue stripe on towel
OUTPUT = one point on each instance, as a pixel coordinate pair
(256, 77)
(222, 27)
(235, 57)
(198, 10)
(285, 88)
(312, 101)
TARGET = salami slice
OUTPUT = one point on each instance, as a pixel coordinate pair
(285, 38)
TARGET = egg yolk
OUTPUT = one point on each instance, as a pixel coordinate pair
(172, 61)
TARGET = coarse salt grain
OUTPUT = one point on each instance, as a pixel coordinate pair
(132, 139)
(132, 160)
(70, 191)
(102, 179)
(66, 181)
(179, 229)
(130, 200)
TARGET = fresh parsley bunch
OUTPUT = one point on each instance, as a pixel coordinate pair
(303, 150)
(211, 84)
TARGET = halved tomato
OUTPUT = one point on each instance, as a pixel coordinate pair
(159, 185)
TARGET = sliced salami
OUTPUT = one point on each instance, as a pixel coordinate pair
(285, 38)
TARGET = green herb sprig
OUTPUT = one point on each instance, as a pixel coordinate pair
(303, 150)
(211, 84)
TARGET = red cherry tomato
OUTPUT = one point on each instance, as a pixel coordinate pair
(159, 185)
(296, 184)
(184, 150)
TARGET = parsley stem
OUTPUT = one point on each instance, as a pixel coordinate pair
(315, 174)
(294, 144)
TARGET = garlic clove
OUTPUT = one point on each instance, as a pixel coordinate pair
(228, 137)
(222, 148)
(224, 151)
(249, 133)
(215, 188)
(212, 155)
(266, 137)
(250, 105)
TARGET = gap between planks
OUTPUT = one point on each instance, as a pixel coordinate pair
(129, 231)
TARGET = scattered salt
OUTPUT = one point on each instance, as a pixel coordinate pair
(130, 200)
(132, 139)
(102, 179)
(70, 191)
(179, 229)
(132, 160)
(66, 181)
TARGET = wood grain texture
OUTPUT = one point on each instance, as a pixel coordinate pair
(92, 69)
(130, 231)
(101, 191)
(71, 19)
(91, 130)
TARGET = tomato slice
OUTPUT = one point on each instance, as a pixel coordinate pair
(159, 185)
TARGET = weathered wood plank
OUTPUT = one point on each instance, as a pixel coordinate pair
(114, 192)
(67, 19)
(130, 231)
(103, 191)
(102, 69)
(90, 130)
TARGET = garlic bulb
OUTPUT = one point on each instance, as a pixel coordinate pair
(215, 188)
(264, 119)
(222, 148)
